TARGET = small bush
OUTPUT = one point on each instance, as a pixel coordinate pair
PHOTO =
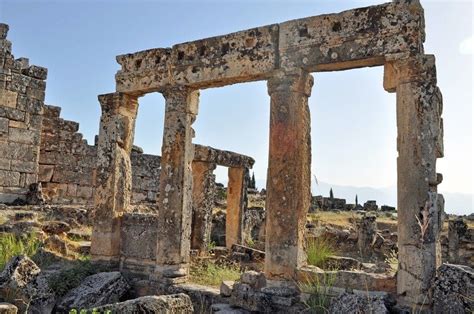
(72, 277)
(11, 245)
(211, 274)
(318, 250)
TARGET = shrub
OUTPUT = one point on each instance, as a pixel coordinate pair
(318, 250)
(72, 277)
(11, 245)
(211, 274)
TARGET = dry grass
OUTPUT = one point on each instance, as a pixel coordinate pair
(211, 274)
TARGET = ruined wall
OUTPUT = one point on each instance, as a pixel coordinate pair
(22, 90)
(145, 177)
(67, 163)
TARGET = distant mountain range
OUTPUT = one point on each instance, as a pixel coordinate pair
(456, 203)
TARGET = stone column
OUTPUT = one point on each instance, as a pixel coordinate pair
(420, 143)
(456, 230)
(289, 174)
(175, 201)
(113, 175)
(203, 202)
(366, 229)
(235, 206)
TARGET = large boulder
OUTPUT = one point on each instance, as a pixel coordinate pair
(163, 304)
(96, 290)
(17, 282)
(26, 286)
(361, 304)
(454, 289)
(7, 308)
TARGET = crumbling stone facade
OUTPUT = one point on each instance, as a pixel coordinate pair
(22, 90)
(389, 35)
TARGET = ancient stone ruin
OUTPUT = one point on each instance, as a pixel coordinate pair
(153, 250)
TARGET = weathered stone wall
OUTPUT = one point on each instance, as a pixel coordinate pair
(67, 162)
(145, 177)
(22, 90)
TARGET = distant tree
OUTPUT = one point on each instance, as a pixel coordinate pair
(357, 200)
(331, 194)
(252, 181)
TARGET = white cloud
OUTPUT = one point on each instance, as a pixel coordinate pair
(467, 46)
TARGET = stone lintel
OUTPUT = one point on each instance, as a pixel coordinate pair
(222, 157)
(350, 39)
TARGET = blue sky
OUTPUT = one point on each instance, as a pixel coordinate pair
(352, 117)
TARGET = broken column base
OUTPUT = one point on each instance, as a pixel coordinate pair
(171, 274)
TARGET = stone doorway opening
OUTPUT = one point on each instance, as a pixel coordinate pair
(354, 155)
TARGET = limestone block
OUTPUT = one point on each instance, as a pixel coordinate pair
(3, 31)
(8, 98)
(30, 105)
(12, 113)
(4, 123)
(138, 236)
(454, 289)
(84, 192)
(23, 136)
(52, 111)
(23, 166)
(9, 178)
(95, 290)
(163, 304)
(36, 72)
(7, 308)
(226, 288)
(4, 164)
(45, 173)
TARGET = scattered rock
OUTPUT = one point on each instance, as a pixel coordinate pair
(7, 308)
(25, 216)
(163, 304)
(35, 194)
(353, 303)
(96, 290)
(56, 227)
(226, 288)
(56, 244)
(16, 281)
(454, 289)
(254, 279)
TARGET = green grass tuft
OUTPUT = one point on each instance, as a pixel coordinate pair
(318, 250)
(318, 288)
(11, 245)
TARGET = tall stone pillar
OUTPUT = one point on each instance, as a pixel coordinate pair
(420, 143)
(175, 201)
(236, 203)
(456, 230)
(203, 202)
(113, 175)
(289, 174)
